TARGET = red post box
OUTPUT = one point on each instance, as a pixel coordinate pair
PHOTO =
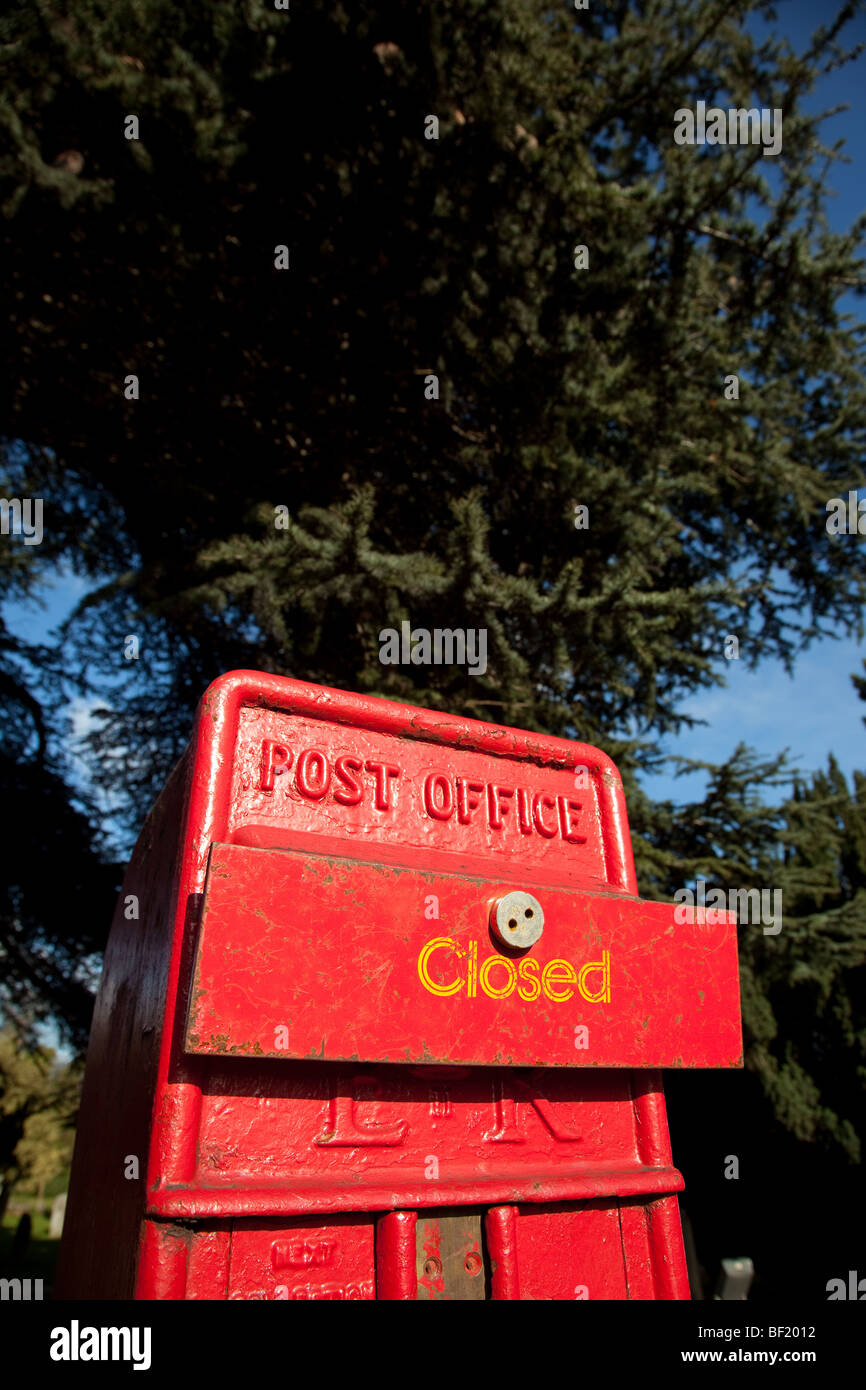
(382, 1016)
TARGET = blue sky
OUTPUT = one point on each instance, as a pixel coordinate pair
(816, 711)
(813, 713)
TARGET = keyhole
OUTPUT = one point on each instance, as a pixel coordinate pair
(517, 920)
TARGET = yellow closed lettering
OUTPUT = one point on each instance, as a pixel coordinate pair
(501, 991)
(600, 995)
(555, 979)
(555, 975)
(437, 944)
(528, 972)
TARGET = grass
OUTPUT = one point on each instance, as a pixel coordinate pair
(41, 1257)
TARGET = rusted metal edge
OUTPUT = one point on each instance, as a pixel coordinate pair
(197, 1202)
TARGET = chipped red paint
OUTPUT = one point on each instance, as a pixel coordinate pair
(292, 1165)
(396, 1276)
(432, 1280)
(277, 923)
(502, 1247)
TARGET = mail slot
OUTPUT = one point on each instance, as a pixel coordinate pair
(383, 1017)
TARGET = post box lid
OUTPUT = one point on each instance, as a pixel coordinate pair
(281, 763)
(352, 834)
(311, 956)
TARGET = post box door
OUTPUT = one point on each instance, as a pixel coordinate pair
(585, 1251)
(366, 1086)
(304, 955)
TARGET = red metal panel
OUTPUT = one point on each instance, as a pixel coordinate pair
(373, 1138)
(571, 1253)
(241, 1152)
(431, 789)
(501, 1226)
(131, 1025)
(303, 1260)
(304, 955)
(208, 1264)
(162, 1268)
(396, 1274)
(668, 1254)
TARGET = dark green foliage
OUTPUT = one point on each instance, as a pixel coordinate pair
(39, 1097)
(803, 988)
(58, 886)
(558, 388)
(456, 256)
(795, 1122)
(57, 890)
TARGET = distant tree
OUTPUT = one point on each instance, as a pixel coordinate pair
(803, 987)
(411, 258)
(38, 1103)
(434, 388)
(58, 883)
(860, 686)
(451, 502)
(795, 1122)
(45, 1150)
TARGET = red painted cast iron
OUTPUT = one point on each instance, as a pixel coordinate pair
(382, 1016)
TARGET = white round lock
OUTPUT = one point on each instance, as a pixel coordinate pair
(517, 920)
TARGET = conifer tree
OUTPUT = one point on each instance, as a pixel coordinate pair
(804, 1009)
(411, 258)
(795, 1122)
(434, 389)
